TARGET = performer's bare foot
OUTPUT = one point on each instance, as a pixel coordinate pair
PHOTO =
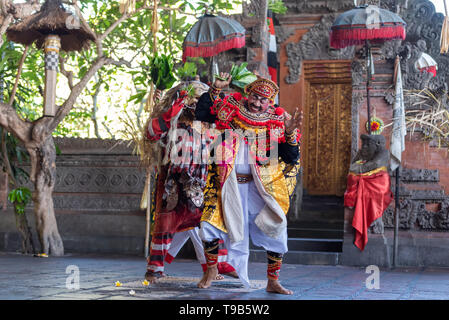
(209, 276)
(152, 277)
(219, 277)
(275, 286)
(232, 274)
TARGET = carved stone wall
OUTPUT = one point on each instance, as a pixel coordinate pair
(318, 6)
(96, 198)
(314, 45)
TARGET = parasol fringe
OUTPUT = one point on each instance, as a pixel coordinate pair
(208, 49)
(341, 38)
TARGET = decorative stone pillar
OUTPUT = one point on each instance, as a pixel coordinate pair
(51, 48)
(255, 16)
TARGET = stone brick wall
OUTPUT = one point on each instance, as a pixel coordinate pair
(97, 199)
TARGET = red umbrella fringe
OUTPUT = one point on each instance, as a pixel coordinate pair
(431, 69)
(209, 49)
(341, 38)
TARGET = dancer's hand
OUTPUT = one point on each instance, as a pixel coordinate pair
(294, 122)
(157, 96)
(220, 84)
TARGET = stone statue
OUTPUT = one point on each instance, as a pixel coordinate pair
(368, 187)
(372, 155)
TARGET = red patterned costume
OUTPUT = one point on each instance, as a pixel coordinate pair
(178, 200)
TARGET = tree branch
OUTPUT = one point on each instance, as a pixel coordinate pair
(6, 161)
(4, 26)
(19, 73)
(114, 25)
(64, 110)
(67, 74)
(10, 121)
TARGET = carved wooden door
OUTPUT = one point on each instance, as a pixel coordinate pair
(326, 151)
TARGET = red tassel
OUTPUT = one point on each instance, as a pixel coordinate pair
(341, 38)
(209, 49)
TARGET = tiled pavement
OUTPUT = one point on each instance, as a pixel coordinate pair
(31, 278)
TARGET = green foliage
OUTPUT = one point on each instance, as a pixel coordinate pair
(216, 6)
(20, 197)
(277, 6)
(27, 101)
(241, 76)
(187, 71)
(161, 67)
(114, 87)
(16, 153)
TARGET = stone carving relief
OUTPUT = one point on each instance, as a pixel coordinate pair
(318, 6)
(256, 35)
(97, 203)
(419, 175)
(314, 45)
(96, 179)
(408, 212)
(414, 215)
(358, 68)
(423, 35)
(377, 226)
(255, 9)
(435, 220)
(283, 33)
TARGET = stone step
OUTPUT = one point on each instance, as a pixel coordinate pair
(312, 244)
(316, 232)
(299, 257)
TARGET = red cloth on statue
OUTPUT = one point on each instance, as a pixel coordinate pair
(370, 195)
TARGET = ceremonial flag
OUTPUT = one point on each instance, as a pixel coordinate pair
(272, 48)
(397, 142)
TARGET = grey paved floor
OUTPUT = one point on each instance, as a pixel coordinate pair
(31, 278)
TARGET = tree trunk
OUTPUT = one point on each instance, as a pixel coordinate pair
(3, 190)
(43, 174)
(25, 232)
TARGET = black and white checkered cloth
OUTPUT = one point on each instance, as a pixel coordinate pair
(52, 61)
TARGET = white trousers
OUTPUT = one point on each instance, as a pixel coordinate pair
(180, 238)
(238, 253)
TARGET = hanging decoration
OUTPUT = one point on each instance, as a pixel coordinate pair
(377, 125)
(427, 63)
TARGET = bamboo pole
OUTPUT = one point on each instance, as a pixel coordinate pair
(396, 220)
(147, 192)
(148, 108)
(51, 48)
